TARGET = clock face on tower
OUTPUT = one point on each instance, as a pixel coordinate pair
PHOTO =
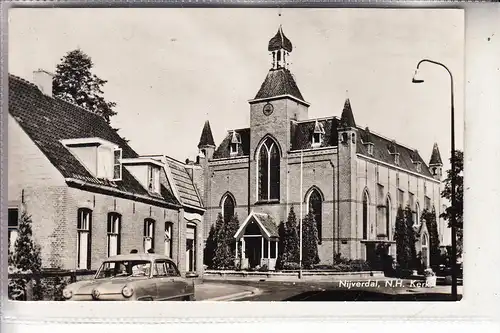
(268, 109)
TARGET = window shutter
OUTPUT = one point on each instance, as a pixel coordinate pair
(153, 235)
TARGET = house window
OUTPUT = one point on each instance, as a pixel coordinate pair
(365, 215)
(117, 164)
(84, 227)
(114, 239)
(228, 207)
(168, 238)
(316, 208)
(388, 218)
(269, 171)
(191, 248)
(13, 230)
(411, 200)
(419, 167)
(149, 234)
(154, 179)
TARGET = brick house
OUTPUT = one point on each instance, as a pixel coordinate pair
(354, 179)
(90, 195)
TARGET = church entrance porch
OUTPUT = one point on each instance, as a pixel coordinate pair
(257, 242)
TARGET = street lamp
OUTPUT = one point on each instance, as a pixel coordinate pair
(418, 79)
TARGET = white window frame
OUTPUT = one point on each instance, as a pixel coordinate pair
(149, 235)
(169, 227)
(153, 179)
(268, 151)
(85, 219)
(233, 149)
(114, 232)
(369, 147)
(117, 164)
(317, 143)
(396, 159)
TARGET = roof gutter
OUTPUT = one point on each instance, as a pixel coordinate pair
(123, 194)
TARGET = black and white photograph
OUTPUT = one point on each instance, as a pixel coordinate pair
(229, 154)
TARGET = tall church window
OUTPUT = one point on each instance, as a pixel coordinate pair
(269, 171)
(228, 205)
(365, 215)
(388, 218)
(316, 208)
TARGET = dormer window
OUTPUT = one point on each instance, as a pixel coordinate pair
(317, 137)
(369, 148)
(153, 179)
(419, 166)
(234, 144)
(396, 159)
(101, 158)
(117, 164)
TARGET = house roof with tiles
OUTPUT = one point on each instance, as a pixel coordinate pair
(183, 183)
(48, 120)
(222, 150)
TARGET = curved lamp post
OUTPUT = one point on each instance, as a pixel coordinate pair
(418, 79)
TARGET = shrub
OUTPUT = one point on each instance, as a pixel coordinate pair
(309, 241)
(291, 266)
(288, 246)
(263, 268)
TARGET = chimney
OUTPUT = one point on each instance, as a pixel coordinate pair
(43, 80)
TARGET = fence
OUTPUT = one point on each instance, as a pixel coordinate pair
(45, 285)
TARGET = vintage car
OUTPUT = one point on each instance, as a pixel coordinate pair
(133, 277)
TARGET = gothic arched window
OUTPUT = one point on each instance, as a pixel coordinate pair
(269, 171)
(228, 207)
(388, 217)
(365, 215)
(316, 208)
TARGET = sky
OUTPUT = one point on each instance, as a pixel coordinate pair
(169, 70)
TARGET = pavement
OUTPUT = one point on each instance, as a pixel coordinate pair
(365, 289)
(213, 291)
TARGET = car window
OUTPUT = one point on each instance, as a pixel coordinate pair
(159, 269)
(112, 269)
(171, 269)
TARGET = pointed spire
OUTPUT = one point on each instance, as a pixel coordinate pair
(347, 118)
(436, 156)
(206, 138)
(280, 41)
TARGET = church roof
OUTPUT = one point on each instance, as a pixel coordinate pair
(279, 82)
(206, 138)
(244, 148)
(435, 156)
(48, 120)
(301, 133)
(280, 41)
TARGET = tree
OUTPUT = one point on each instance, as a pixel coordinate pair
(224, 242)
(434, 252)
(75, 82)
(309, 241)
(210, 247)
(288, 245)
(26, 259)
(459, 198)
(405, 238)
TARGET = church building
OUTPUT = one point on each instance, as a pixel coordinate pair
(352, 178)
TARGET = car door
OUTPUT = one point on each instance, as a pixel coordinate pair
(169, 283)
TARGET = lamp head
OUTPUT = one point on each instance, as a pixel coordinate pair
(417, 78)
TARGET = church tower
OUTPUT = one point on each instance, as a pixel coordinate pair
(348, 228)
(277, 103)
(436, 164)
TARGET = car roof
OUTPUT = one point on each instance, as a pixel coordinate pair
(138, 256)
